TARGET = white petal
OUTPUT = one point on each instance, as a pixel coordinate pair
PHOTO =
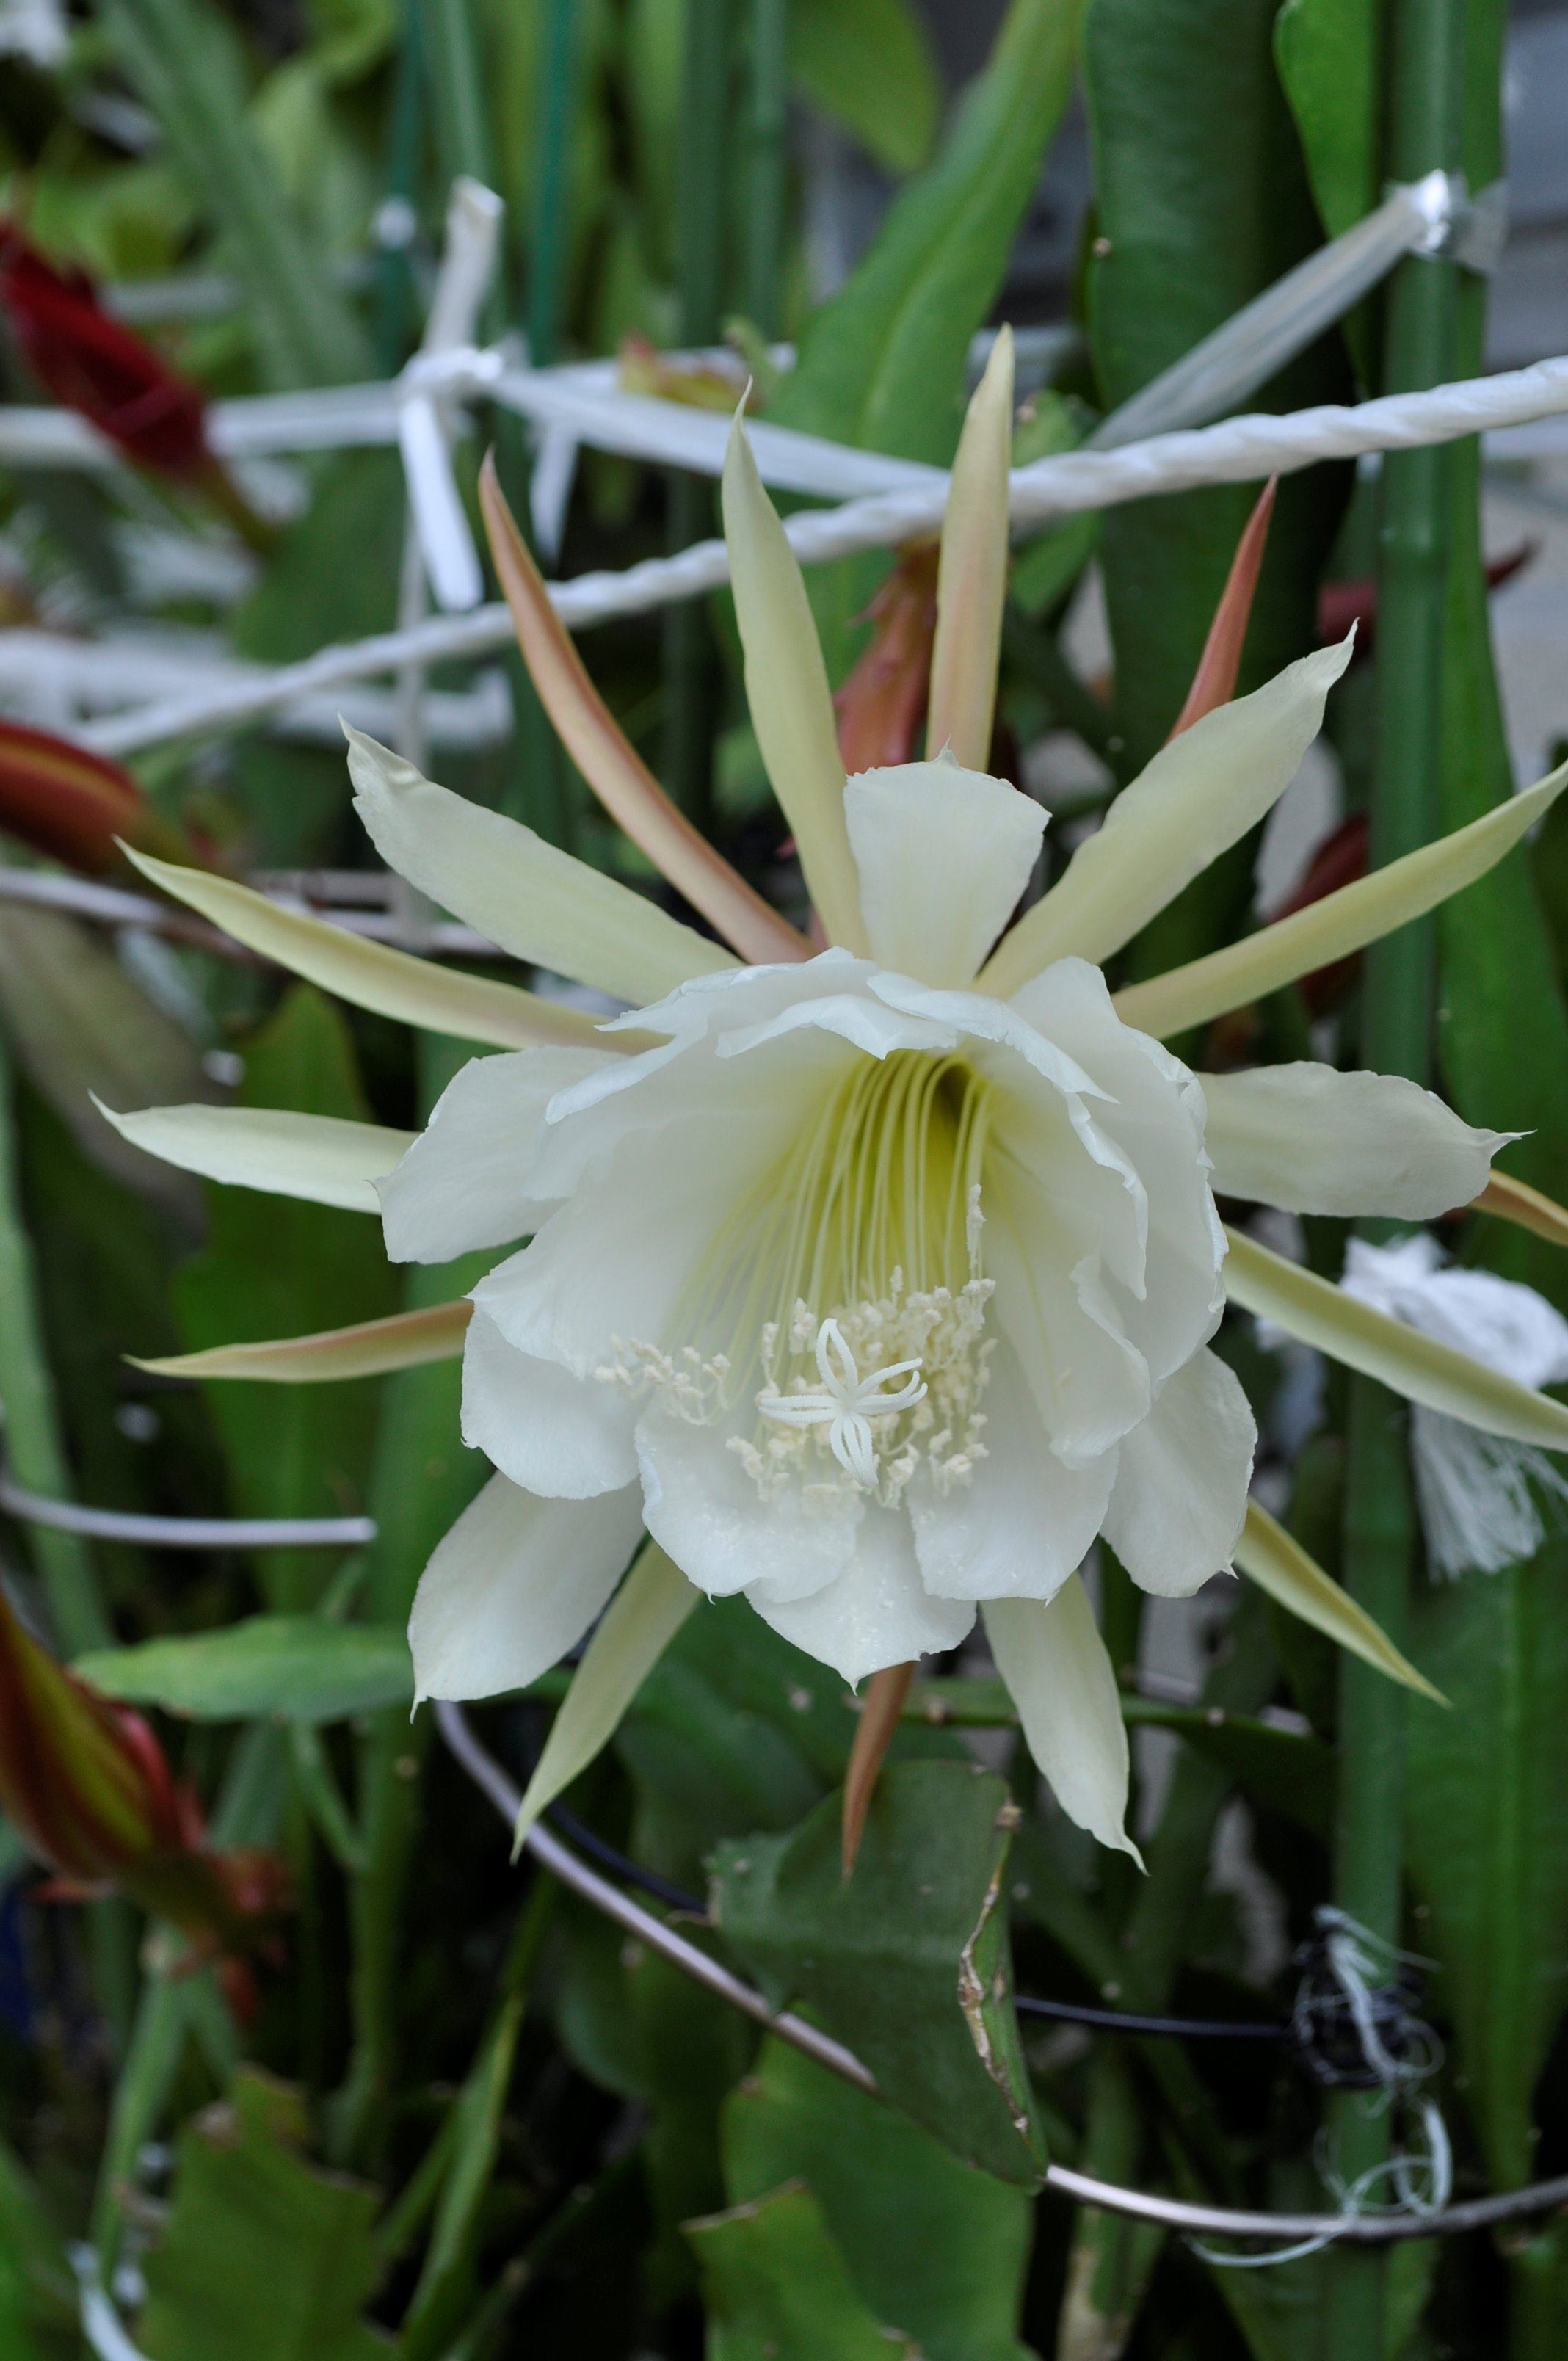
(943, 855)
(370, 975)
(700, 1505)
(972, 580)
(1022, 1521)
(464, 1183)
(515, 1584)
(786, 689)
(1056, 1666)
(1340, 923)
(320, 1158)
(1181, 1497)
(1320, 1142)
(1154, 1114)
(877, 1613)
(1200, 794)
(531, 899)
(638, 1624)
(566, 1438)
(1090, 1383)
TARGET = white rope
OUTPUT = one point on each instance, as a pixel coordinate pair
(1238, 450)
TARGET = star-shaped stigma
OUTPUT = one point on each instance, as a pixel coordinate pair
(846, 1402)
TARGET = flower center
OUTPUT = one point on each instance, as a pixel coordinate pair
(844, 1300)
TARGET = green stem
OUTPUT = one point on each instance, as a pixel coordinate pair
(1427, 91)
(553, 223)
(35, 1449)
(767, 159)
(457, 86)
(691, 671)
(394, 279)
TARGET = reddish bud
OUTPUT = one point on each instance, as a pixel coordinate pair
(87, 1787)
(91, 362)
(641, 367)
(883, 702)
(1341, 604)
(72, 805)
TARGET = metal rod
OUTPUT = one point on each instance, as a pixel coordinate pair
(1139, 2205)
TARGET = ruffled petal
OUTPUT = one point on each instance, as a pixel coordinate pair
(1181, 1495)
(515, 1584)
(464, 1183)
(1090, 1384)
(1022, 1521)
(1153, 1113)
(566, 1438)
(877, 1612)
(701, 1507)
(1317, 1141)
(944, 855)
(1060, 1678)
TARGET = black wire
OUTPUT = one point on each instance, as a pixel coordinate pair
(1117, 2020)
(630, 1873)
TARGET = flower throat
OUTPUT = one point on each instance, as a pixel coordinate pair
(866, 1233)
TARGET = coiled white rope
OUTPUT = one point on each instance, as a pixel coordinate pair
(1238, 450)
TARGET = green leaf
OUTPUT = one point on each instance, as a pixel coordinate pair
(334, 574)
(1488, 1845)
(38, 2289)
(281, 1667)
(881, 364)
(1326, 52)
(187, 63)
(931, 2246)
(869, 64)
(276, 1266)
(1202, 202)
(264, 2259)
(777, 2287)
(907, 1960)
(81, 1029)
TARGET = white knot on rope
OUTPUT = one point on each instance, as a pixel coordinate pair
(1357, 2022)
(1479, 1495)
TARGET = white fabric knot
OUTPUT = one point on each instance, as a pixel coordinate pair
(1473, 1489)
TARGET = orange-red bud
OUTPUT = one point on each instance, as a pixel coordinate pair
(86, 1785)
(883, 702)
(72, 805)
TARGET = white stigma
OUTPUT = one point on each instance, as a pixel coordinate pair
(846, 1402)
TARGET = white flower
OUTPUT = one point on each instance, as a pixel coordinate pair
(874, 1285)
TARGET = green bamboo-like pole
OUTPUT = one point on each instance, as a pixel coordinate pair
(394, 279)
(552, 238)
(691, 673)
(767, 161)
(451, 44)
(1426, 90)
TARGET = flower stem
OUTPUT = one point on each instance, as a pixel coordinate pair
(1426, 82)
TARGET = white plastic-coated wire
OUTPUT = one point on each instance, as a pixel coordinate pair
(1238, 450)
(1137, 2204)
(111, 905)
(184, 1533)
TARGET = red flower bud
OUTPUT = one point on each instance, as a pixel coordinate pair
(91, 362)
(87, 1787)
(881, 703)
(72, 805)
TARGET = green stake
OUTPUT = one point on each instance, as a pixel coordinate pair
(1426, 87)
(767, 161)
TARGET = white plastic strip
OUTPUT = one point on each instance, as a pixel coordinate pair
(1238, 450)
(184, 1533)
(424, 432)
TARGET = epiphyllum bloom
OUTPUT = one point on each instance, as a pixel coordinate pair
(874, 1285)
